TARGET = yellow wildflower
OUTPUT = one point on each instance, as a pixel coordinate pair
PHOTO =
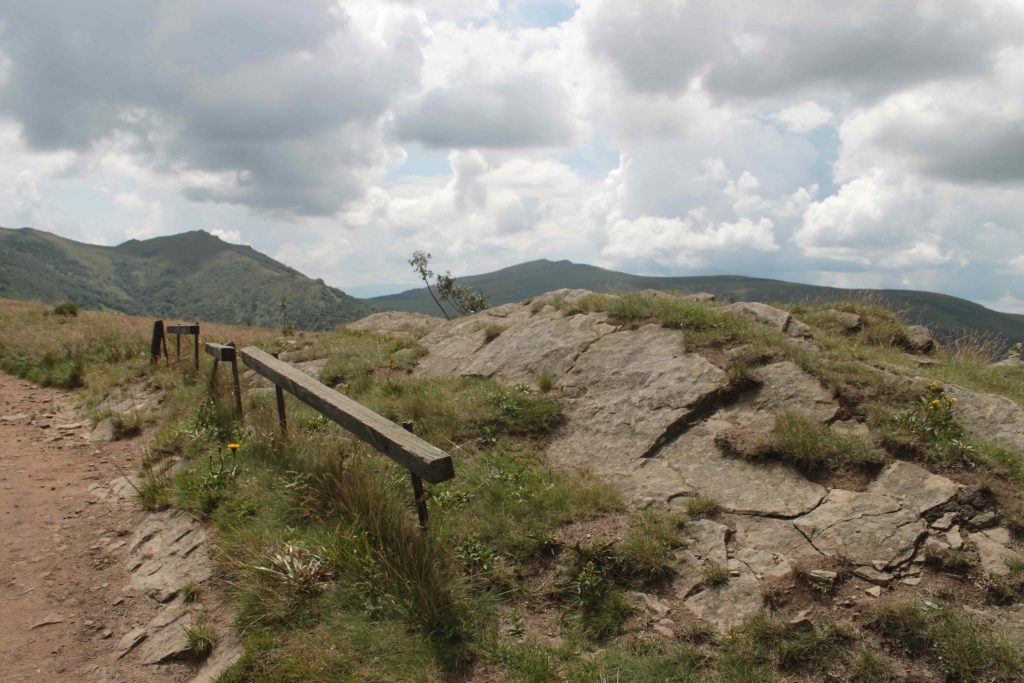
(952, 399)
(233, 446)
(934, 385)
(936, 403)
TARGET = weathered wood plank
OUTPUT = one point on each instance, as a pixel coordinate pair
(182, 329)
(418, 456)
(222, 352)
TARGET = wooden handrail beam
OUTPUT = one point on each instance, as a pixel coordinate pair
(415, 454)
(221, 352)
(182, 329)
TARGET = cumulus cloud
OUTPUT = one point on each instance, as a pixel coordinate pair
(805, 116)
(516, 111)
(685, 241)
(282, 102)
(868, 143)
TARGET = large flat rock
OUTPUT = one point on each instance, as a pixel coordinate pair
(398, 324)
(730, 605)
(768, 546)
(915, 488)
(625, 393)
(764, 488)
(548, 342)
(451, 346)
(167, 551)
(776, 318)
(863, 528)
(991, 417)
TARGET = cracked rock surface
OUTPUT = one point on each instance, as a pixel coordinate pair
(863, 528)
(643, 412)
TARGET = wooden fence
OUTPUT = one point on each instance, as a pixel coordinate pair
(225, 353)
(423, 460)
(159, 341)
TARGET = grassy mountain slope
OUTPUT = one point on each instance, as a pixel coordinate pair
(193, 275)
(945, 314)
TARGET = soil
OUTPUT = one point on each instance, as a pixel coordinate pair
(64, 602)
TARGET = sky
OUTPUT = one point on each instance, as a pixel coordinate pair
(852, 144)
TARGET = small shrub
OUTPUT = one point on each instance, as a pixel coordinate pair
(600, 605)
(153, 491)
(492, 332)
(867, 666)
(298, 569)
(903, 625)
(546, 382)
(200, 636)
(126, 424)
(68, 309)
(715, 575)
(810, 446)
(701, 506)
(190, 591)
(645, 553)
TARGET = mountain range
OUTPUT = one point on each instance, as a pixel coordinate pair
(189, 276)
(195, 275)
(948, 316)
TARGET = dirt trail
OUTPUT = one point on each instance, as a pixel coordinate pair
(63, 599)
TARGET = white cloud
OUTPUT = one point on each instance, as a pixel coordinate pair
(232, 236)
(805, 116)
(684, 242)
(870, 142)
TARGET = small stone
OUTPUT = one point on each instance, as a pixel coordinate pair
(130, 641)
(873, 575)
(665, 627)
(944, 522)
(982, 520)
(874, 591)
(823, 575)
(802, 619)
(48, 621)
(998, 534)
(107, 634)
(912, 580)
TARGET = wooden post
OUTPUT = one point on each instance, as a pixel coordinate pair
(282, 418)
(195, 347)
(234, 379)
(154, 345)
(177, 344)
(419, 496)
(227, 354)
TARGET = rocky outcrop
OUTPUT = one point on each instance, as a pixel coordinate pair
(768, 488)
(915, 488)
(397, 324)
(990, 417)
(168, 551)
(773, 317)
(626, 393)
(548, 342)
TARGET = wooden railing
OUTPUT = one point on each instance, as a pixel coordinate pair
(422, 459)
(225, 353)
(159, 341)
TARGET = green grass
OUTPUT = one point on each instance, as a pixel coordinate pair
(964, 648)
(702, 506)
(200, 636)
(810, 446)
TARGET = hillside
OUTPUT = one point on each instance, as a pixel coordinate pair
(193, 275)
(945, 314)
